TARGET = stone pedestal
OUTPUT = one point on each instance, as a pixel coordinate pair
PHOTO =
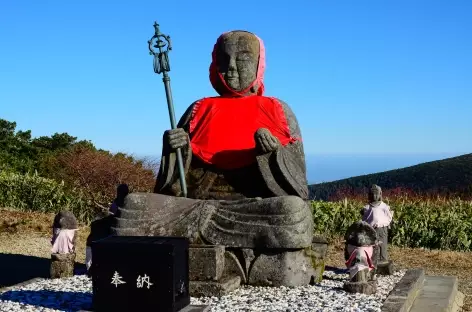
(368, 288)
(213, 271)
(319, 247)
(283, 268)
(385, 268)
(62, 265)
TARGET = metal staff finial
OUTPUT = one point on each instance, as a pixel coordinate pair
(161, 65)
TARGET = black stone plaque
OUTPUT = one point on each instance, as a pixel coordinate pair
(134, 273)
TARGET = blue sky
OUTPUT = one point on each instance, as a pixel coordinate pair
(363, 77)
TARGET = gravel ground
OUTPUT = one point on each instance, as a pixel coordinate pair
(74, 293)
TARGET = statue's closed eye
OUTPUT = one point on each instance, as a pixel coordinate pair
(245, 56)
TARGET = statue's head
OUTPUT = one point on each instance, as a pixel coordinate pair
(238, 63)
(375, 194)
(65, 220)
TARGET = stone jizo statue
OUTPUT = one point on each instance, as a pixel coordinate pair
(245, 172)
(378, 214)
(360, 243)
(63, 244)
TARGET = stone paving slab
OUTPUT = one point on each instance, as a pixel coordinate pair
(402, 297)
(439, 294)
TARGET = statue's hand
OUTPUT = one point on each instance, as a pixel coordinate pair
(265, 141)
(176, 138)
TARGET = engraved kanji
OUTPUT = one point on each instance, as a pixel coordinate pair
(143, 280)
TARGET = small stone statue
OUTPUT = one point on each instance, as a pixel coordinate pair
(63, 245)
(245, 171)
(360, 240)
(379, 216)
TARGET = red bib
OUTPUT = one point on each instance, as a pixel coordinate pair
(222, 129)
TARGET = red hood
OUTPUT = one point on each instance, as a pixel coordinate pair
(216, 77)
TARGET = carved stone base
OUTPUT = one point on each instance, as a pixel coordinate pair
(282, 268)
(213, 268)
(367, 288)
(62, 265)
(214, 288)
(363, 276)
(319, 248)
(385, 268)
(206, 263)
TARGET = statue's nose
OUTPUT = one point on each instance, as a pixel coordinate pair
(232, 64)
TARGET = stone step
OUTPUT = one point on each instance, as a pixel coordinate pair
(217, 288)
(439, 293)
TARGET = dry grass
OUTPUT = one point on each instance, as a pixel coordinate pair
(29, 233)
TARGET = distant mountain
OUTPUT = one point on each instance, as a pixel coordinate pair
(447, 176)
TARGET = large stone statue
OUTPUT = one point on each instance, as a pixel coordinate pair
(245, 170)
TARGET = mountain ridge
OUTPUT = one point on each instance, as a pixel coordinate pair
(449, 176)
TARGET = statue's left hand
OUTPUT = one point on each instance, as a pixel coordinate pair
(265, 141)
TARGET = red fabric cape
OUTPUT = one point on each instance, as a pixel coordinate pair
(222, 129)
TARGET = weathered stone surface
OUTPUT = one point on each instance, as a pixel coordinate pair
(368, 288)
(385, 268)
(363, 276)
(65, 220)
(286, 268)
(62, 265)
(206, 263)
(405, 292)
(361, 234)
(277, 222)
(233, 267)
(319, 246)
(217, 288)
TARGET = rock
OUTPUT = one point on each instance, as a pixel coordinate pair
(286, 268)
(368, 288)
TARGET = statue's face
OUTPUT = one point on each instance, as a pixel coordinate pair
(375, 196)
(238, 59)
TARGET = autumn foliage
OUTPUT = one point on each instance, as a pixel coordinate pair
(97, 173)
(52, 173)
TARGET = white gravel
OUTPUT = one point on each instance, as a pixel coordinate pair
(73, 294)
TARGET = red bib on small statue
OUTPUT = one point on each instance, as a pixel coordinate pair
(222, 129)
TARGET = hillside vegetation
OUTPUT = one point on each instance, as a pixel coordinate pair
(451, 177)
(51, 173)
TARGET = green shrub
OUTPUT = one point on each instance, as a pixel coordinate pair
(439, 224)
(30, 192)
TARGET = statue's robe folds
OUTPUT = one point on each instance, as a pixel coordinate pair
(236, 197)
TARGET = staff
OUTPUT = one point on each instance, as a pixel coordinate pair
(161, 65)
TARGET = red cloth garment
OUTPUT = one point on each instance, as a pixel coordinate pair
(222, 129)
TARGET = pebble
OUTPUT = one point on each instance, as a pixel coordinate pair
(75, 293)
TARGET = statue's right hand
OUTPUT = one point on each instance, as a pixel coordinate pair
(176, 138)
